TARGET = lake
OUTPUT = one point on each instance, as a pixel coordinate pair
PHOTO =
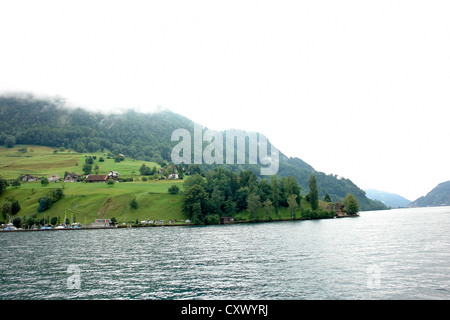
(395, 254)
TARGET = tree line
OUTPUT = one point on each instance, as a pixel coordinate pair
(243, 195)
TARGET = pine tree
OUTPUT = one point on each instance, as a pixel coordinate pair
(313, 193)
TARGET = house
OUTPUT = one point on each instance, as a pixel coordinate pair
(53, 178)
(96, 178)
(172, 176)
(113, 175)
(121, 155)
(29, 178)
(339, 208)
(101, 223)
(161, 170)
(71, 177)
(226, 220)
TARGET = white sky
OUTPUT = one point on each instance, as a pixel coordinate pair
(355, 88)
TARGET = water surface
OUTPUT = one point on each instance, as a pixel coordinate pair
(396, 254)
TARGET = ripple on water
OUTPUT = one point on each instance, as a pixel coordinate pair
(397, 254)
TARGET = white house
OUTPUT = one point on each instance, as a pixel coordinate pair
(113, 175)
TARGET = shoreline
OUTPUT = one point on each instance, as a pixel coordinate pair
(173, 225)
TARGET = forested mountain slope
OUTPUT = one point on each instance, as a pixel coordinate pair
(27, 120)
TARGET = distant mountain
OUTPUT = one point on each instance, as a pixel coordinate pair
(439, 196)
(27, 120)
(389, 199)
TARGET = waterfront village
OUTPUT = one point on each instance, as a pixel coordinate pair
(168, 173)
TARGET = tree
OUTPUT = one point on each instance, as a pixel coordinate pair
(96, 168)
(10, 141)
(327, 198)
(242, 198)
(253, 204)
(174, 189)
(133, 204)
(45, 203)
(275, 192)
(196, 214)
(15, 206)
(350, 204)
(194, 204)
(313, 193)
(144, 170)
(3, 184)
(216, 201)
(268, 208)
(87, 168)
(293, 205)
(44, 181)
(194, 179)
(17, 222)
(6, 209)
(110, 182)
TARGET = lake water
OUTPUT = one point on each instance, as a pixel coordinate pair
(396, 254)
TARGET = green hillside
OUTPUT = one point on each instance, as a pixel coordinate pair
(26, 120)
(439, 196)
(87, 201)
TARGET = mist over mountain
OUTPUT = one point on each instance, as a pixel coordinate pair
(439, 196)
(30, 120)
(389, 199)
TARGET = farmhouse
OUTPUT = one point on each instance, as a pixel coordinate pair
(29, 178)
(97, 178)
(53, 178)
(172, 176)
(113, 175)
(71, 177)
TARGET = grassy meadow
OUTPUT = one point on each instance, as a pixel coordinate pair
(42, 161)
(86, 202)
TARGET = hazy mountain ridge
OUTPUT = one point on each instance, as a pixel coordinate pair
(143, 136)
(389, 199)
(439, 196)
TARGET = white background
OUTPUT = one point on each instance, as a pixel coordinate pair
(360, 89)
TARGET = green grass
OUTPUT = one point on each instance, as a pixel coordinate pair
(90, 201)
(41, 161)
(87, 201)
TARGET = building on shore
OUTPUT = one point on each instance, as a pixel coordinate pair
(101, 223)
(226, 220)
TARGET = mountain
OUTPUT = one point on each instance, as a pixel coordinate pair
(389, 199)
(439, 196)
(27, 120)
